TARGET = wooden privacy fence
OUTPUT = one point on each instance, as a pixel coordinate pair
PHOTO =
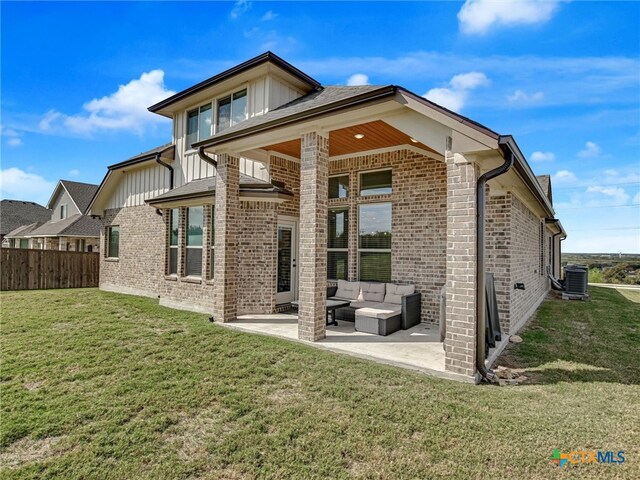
(23, 269)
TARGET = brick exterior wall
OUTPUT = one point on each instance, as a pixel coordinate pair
(461, 265)
(314, 168)
(419, 203)
(525, 262)
(498, 252)
(226, 242)
(257, 255)
(139, 269)
(287, 171)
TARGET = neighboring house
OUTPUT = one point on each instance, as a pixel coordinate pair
(16, 213)
(66, 226)
(274, 186)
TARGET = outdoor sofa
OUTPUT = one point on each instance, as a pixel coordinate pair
(379, 308)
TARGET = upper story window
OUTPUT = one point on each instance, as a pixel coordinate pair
(339, 186)
(375, 183)
(63, 212)
(229, 110)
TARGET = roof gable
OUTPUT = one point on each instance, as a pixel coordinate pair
(80, 193)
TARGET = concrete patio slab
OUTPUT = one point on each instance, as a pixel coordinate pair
(418, 348)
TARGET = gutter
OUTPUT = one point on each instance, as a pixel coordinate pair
(481, 298)
(206, 158)
(168, 167)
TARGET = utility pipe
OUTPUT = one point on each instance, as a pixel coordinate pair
(481, 298)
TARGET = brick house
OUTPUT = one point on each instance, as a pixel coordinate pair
(274, 186)
(67, 227)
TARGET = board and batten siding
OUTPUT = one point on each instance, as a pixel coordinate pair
(139, 185)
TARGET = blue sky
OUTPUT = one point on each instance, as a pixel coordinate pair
(562, 77)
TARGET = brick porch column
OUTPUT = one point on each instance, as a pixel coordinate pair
(225, 259)
(312, 291)
(461, 265)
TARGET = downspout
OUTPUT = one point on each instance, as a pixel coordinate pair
(206, 158)
(481, 299)
(167, 166)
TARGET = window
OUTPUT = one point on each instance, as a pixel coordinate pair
(174, 223)
(193, 256)
(113, 241)
(231, 110)
(199, 124)
(80, 244)
(374, 242)
(212, 241)
(375, 183)
(24, 243)
(541, 251)
(339, 186)
(338, 244)
(63, 212)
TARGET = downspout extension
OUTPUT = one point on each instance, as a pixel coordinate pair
(168, 167)
(206, 158)
(481, 299)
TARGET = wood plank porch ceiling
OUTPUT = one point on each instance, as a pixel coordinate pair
(377, 134)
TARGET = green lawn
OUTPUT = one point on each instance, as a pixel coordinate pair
(100, 385)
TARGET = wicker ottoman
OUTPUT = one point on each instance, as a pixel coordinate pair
(378, 322)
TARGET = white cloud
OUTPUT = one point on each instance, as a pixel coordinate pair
(591, 150)
(74, 172)
(468, 81)
(125, 109)
(455, 97)
(612, 195)
(564, 176)
(239, 8)
(636, 199)
(520, 97)
(13, 137)
(358, 79)
(19, 185)
(477, 17)
(543, 156)
(270, 15)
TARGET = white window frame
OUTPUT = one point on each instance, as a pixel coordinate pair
(374, 250)
(214, 113)
(63, 211)
(364, 172)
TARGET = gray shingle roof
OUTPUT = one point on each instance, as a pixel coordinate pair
(81, 193)
(75, 225)
(16, 213)
(24, 230)
(207, 186)
(313, 100)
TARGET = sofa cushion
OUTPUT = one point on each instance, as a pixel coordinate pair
(348, 290)
(396, 292)
(381, 313)
(371, 292)
(364, 304)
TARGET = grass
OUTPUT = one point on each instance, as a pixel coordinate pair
(100, 385)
